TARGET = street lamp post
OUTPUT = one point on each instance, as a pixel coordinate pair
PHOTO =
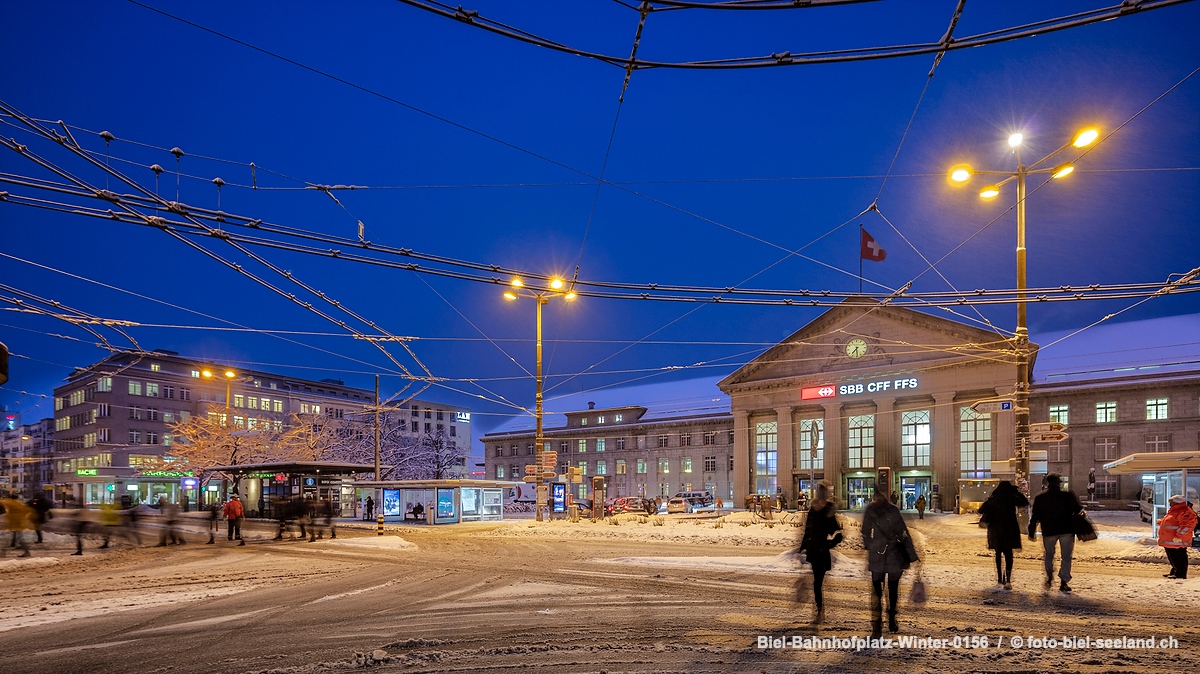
(230, 375)
(963, 173)
(540, 297)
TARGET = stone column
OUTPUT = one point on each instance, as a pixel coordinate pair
(786, 444)
(943, 452)
(835, 446)
(741, 457)
(887, 436)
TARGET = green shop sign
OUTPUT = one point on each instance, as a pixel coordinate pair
(86, 471)
(167, 473)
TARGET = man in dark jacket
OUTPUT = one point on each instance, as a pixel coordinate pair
(1056, 508)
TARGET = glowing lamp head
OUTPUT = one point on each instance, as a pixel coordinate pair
(230, 374)
(556, 283)
(1062, 171)
(1085, 137)
(989, 192)
(510, 295)
(207, 373)
(569, 296)
(1015, 140)
(517, 282)
(960, 174)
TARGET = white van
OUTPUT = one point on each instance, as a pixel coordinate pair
(701, 497)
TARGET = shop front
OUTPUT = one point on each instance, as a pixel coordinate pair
(266, 489)
(126, 487)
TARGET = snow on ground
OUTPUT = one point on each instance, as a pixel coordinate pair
(370, 542)
(58, 611)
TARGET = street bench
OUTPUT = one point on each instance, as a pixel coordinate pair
(410, 515)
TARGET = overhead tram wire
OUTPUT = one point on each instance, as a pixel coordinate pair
(787, 58)
(68, 143)
(789, 298)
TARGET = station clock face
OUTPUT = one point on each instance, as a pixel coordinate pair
(856, 348)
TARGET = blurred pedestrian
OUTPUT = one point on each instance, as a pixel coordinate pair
(81, 525)
(822, 532)
(214, 514)
(170, 514)
(234, 514)
(17, 518)
(890, 551)
(999, 512)
(110, 521)
(41, 513)
(1175, 531)
(921, 507)
(370, 508)
(1055, 508)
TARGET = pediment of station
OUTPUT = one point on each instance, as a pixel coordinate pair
(857, 336)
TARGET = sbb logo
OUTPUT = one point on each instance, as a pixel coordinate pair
(816, 392)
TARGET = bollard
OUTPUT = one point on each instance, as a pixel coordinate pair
(379, 521)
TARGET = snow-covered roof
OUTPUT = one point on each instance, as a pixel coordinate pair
(663, 400)
(1154, 346)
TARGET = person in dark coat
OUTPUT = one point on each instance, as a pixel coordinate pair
(41, 514)
(999, 512)
(1055, 509)
(890, 551)
(920, 505)
(822, 533)
(370, 507)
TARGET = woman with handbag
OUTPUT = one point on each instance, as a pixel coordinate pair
(822, 533)
(889, 552)
(1003, 531)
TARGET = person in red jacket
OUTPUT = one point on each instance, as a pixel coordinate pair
(1175, 535)
(234, 512)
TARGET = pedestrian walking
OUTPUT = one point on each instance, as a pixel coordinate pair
(370, 508)
(1055, 508)
(890, 551)
(110, 520)
(999, 512)
(170, 514)
(234, 514)
(83, 522)
(921, 507)
(822, 532)
(214, 514)
(1175, 531)
(41, 514)
(17, 518)
(720, 505)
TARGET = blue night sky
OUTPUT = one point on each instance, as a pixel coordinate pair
(780, 155)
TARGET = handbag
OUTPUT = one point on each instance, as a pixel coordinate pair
(918, 594)
(803, 591)
(1083, 528)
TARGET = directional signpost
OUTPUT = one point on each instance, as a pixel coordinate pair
(529, 478)
(1047, 427)
(990, 406)
(532, 469)
(1048, 437)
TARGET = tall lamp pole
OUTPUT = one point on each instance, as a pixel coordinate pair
(963, 173)
(541, 297)
(230, 375)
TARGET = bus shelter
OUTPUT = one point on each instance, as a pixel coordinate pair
(437, 501)
(265, 488)
(1169, 473)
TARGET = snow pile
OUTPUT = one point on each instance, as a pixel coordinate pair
(15, 563)
(370, 543)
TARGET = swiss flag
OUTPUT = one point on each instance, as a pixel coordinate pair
(869, 249)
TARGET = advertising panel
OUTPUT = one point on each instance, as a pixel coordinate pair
(445, 503)
(558, 497)
(391, 502)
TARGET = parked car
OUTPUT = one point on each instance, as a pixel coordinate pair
(679, 505)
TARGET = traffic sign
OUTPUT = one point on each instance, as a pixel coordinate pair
(1047, 427)
(1048, 437)
(990, 406)
(549, 457)
(529, 478)
(549, 475)
(532, 469)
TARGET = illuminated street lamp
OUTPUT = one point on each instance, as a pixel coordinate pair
(963, 173)
(518, 289)
(230, 375)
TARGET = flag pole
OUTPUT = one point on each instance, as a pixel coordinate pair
(860, 235)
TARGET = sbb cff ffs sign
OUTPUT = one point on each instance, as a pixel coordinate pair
(831, 391)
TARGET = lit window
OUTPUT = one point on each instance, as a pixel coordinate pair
(685, 464)
(1106, 412)
(135, 388)
(914, 438)
(104, 384)
(602, 467)
(1156, 409)
(618, 418)
(239, 400)
(276, 406)
(620, 466)
(582, 468)
(600, 444)
(1060, 413)
(600, 419)
(641, 466)
(974, 444)
(252, 403)
(664, 465)
(583, 421)
(195, 374)
(582, 444)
